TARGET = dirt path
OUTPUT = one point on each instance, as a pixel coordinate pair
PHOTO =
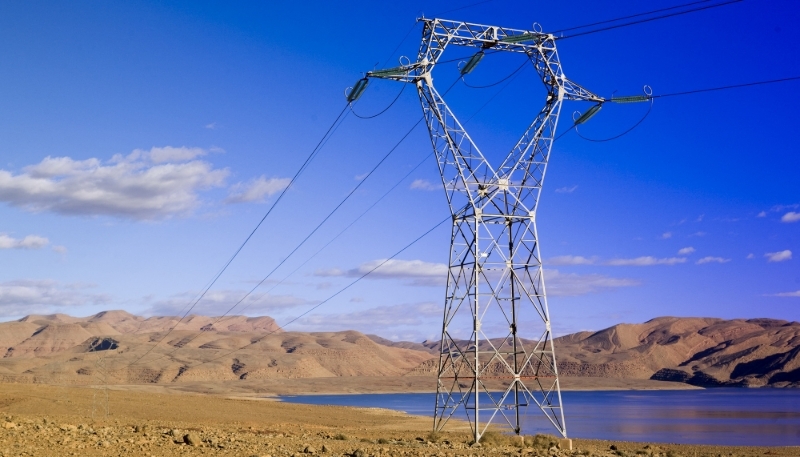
(40, 420)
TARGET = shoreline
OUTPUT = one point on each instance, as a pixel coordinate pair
(61, 420)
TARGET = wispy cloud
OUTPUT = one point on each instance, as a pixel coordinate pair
(377, 319)
(567, 190)
(28, 242)
(211, 126)
(423, 184)
(420, 273)
(686, 251)
(750, 256)
(779, 256)
(791, 216)
(154, 184)
(645, 261)
(762, 214)
(711, 259)
(666, 235)
(570, 260)
(787, 294)
(256, 190)
(214, 302)
(561, 284)
(31, 296)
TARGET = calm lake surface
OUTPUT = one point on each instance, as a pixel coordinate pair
(753, 417)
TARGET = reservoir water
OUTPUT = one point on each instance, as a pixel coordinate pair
(724, 416)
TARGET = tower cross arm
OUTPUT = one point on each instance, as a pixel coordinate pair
(404, 73)
(574, 91)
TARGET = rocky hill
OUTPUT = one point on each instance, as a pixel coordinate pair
(704, 352)
(699, 351)
(116, 347)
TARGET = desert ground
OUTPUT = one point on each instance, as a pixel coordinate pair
(46, 420)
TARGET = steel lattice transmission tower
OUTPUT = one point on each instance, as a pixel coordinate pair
(495, 284)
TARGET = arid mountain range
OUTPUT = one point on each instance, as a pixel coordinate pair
(116, 347)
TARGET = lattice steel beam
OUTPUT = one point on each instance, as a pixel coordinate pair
(495, 283)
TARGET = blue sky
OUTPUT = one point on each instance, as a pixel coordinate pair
(141, 143)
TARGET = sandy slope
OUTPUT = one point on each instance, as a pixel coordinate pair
(253, 353)
(38, 420)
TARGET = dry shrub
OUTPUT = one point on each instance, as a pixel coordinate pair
(340, 436)
(541, 441)
(434, 437)
(492, 438)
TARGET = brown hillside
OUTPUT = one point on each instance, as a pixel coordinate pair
(119, 348)
(699, 351)
(116, 347)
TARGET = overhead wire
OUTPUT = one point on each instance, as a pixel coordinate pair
(642, 21)
(329, 298)
(352, 283)
(629, 130)
(298, 246)
(380, 112)
(733, 86)
(630, 16)
(334, 125)
(302, 168)
(497, 82)
(341, 232)
(682, 93)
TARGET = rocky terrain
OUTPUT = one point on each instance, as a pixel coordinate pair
(39, 420)
(704, 352)
(238, 353)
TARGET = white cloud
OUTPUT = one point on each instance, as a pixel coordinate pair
(376, 319)
(215, 303)
(567, 190)
(645, 261)
(141, 185)
(211, 126)
(711, 259)
(256, 190)
(698, 234)
(686, 251)
(666, 235)
(423, 184)
(750, 256)
(791, 216)
(420, 272)
(787, 294)
(779, 256)
(560, 284)
(570, 260)
(762, 214)
(29, 242)
(25, 296)
(171, 154)
(60, 249)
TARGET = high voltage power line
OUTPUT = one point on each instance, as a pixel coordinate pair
(642, 21)
(334, 126)
(316, 228)
(302, 168)
(326, 300)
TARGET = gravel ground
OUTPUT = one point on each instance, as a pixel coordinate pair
(37, 420)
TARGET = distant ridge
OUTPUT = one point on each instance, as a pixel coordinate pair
(706, 352)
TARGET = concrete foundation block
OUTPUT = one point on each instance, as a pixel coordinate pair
(565, 443)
